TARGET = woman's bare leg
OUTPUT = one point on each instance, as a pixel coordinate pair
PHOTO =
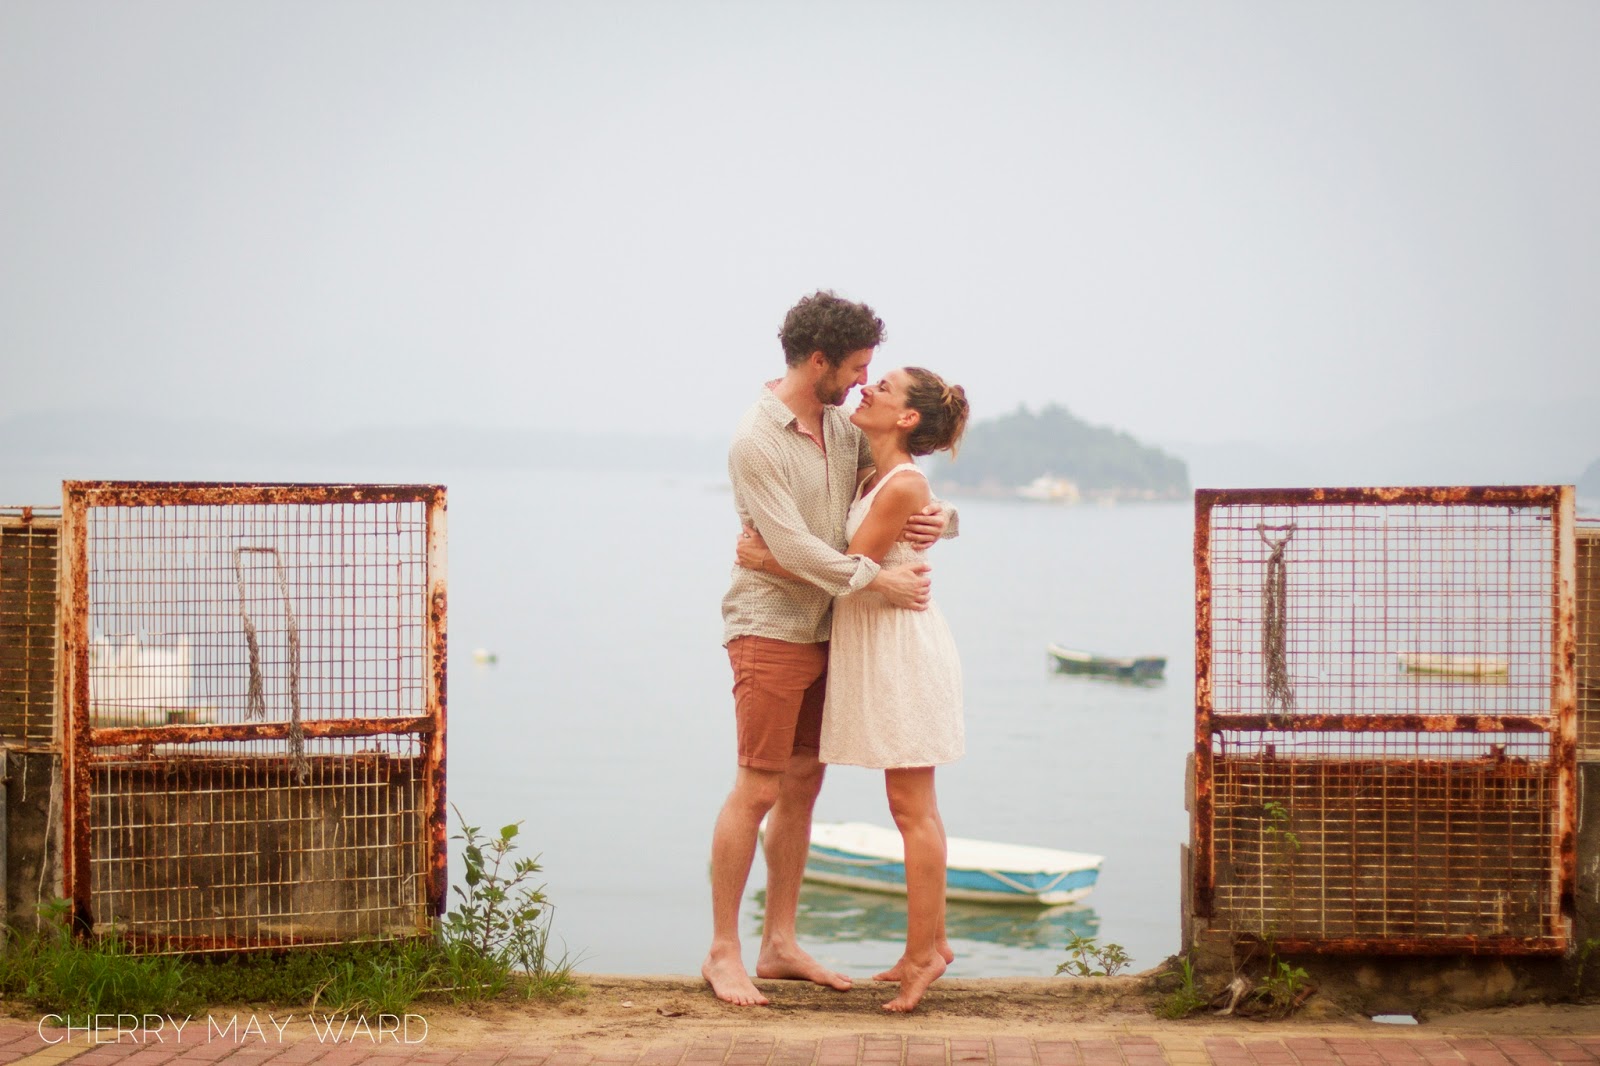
(892, 974)
(915, 807)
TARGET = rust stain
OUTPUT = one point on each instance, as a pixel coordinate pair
(1564, 705)
(1392, 723)
(1202, 855)
(434, 776)
(206, 493)
(73, 608)
(232, 945)
(322, 768)
(1418, 495)
(1417, 945)
(243, 731)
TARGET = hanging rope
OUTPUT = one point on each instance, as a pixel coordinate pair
(255, 701)
(256, 704)
(1274, 619)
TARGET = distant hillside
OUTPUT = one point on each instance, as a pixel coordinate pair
(1013, 450)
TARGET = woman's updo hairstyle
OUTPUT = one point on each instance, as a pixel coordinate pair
(943, 409)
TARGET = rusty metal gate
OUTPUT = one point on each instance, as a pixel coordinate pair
(1384, 737)
(255, 707)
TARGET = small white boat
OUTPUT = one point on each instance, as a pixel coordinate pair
(858, 855)
(1458, 665)
(1132, 667)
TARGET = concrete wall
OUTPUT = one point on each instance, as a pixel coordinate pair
(33, 831)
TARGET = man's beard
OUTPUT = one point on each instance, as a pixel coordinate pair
(831, 398)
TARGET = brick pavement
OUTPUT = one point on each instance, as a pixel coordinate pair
(1257, 1044)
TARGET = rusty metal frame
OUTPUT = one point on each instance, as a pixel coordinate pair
(1560, 725)
(80, 738)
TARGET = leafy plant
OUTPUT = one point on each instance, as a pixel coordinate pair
(502, 922)
(1283, 988)
(1276, 826)
(1186, 998)
(1087, 957)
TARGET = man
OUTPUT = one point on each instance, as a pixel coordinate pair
(794, 462)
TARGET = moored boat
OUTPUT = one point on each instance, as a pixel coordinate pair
(1140, 667)
(859, 855)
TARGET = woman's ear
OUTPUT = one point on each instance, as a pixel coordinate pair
(909, 419)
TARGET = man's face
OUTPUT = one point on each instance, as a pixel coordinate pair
(836, 382)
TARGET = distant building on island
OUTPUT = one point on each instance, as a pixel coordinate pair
(1051, 489)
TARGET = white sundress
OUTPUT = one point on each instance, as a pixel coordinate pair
(894, 678)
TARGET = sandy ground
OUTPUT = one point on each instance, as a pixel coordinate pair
(650, 1009)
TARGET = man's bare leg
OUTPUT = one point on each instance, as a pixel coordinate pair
(733, 849)
(788, 839)
(914, 806)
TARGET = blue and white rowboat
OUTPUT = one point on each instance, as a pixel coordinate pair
(858, 855)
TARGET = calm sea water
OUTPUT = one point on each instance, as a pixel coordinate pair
(607, 723)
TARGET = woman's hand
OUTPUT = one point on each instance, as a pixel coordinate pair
(751, 551)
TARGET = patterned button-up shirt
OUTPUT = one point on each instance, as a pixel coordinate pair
(797, 496)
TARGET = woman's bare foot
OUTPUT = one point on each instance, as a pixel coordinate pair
(728, 979)
(793, 964)
(892, 974)
(915, 977)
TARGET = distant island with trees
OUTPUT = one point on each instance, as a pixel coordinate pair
(1054, 455)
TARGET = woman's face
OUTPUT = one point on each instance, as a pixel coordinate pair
(883, 406)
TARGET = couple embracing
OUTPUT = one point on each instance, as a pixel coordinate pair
(838, 654)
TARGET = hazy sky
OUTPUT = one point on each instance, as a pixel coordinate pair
(1191, 220)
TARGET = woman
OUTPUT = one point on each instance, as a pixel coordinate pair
(894, 679)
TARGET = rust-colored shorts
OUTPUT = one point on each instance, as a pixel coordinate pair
(778, 690)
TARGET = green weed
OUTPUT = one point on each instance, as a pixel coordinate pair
(1087, 957)
(1276, 826)
(1186, 998)
(1283, 988)
(1585, 949)
(501, 926)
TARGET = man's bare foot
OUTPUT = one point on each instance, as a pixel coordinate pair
(915, 977)
(729, 981)
(793, 964)
(892, 974)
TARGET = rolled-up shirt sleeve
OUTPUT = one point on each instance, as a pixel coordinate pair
(762, 496)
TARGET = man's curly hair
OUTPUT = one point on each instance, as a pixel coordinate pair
(823, 322)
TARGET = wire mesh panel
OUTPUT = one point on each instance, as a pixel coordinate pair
(1384, 703)
(1587, 612)
(257, 708)
(28, 561)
